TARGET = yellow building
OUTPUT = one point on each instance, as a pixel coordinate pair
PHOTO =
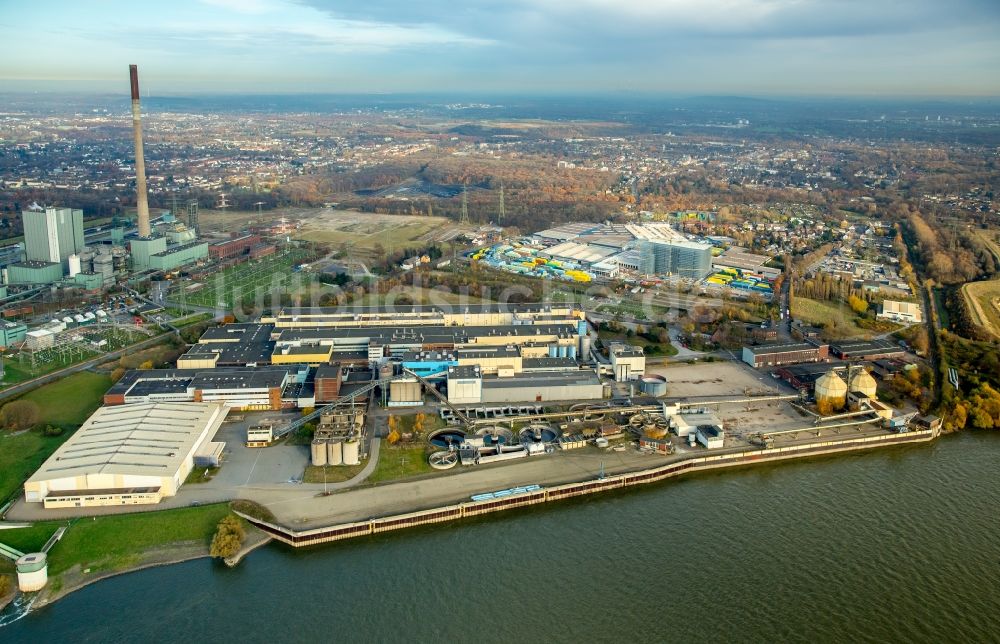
(315, 354)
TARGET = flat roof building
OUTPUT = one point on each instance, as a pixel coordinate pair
(774, 355)
(128, 455)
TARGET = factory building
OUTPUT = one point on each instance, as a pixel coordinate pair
(12, 333)
(52, 235)
(468, 385)
(411, 316)
(627, 362)
(688, 259)
(866, 350)
(906, 312)
(245, 389)
(131, 455)
(235, 247)
(774, 355)
(174, 257)
(33, 272)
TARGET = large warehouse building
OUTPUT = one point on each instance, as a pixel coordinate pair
(128, 455)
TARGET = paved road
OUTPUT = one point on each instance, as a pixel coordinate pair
(28, 385)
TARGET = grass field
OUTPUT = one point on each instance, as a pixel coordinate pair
(983, 299)
(400, 462)
(252, 278)
(70, 400)
(116, 542)
(838, 320)
(334, 473)
(66, 403)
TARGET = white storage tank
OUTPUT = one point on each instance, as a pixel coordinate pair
(335, 453)
(32, 572)
(318, 453)
(863, 383)
(74, 265)
(352, 452)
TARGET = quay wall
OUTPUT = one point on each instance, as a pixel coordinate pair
(338, 532)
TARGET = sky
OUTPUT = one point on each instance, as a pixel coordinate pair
(721, 47)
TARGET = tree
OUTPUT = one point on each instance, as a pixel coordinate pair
(228, 537)
(418, 423)
(19, 414)
(393, 424)
(858, 304)
(146, 365)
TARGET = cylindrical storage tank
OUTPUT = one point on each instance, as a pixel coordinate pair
(385, 371)
(562, 351)
(581, 327)
(74, 265)
(352, 449)
(585, 347)
(571, 351)
(831, 392)
(653, 385)
(334, 453)
(32, 572)
(553, 351)
(606, 391)
(318, 453)
(863, 383)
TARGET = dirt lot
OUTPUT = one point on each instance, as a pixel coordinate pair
(364, 230)
(734, 379)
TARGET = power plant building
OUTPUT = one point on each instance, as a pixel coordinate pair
(52, 235)
(128, 455)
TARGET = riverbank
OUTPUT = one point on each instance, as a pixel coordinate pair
(262, 532)
(685, 464)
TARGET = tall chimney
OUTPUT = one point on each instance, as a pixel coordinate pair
(140, 162)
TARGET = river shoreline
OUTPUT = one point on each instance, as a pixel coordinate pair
(265, 532)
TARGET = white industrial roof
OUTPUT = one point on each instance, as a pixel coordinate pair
(148, 439)
(655, 231)
(580, 252)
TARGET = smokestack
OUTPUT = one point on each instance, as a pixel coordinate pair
(142, 202)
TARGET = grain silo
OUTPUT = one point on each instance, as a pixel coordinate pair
(335, 452)
(863, 383)
(351, 452)
(831, 392)
(318, 453)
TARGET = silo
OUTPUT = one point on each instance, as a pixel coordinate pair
(318, 453)
(32, 572)
(571, 351)
(351, 452)
(553, 351)
(385, 371)
(831, 391)
(74, 265)
(562, 351)
(334, 453)
(863, 383)
(585, 347)
(653, 385)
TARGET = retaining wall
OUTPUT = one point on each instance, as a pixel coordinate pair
(557, 493)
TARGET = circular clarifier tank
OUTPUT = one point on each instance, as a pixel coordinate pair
(447, 437)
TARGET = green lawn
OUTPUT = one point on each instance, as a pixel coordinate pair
(400, 462)
(66, 403)
(21, 455)
(115, 542)
(334, 473)
(191, 319)
(70, 400)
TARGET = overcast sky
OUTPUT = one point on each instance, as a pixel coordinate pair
(753, 47)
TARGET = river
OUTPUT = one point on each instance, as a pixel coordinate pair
(899, 544)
